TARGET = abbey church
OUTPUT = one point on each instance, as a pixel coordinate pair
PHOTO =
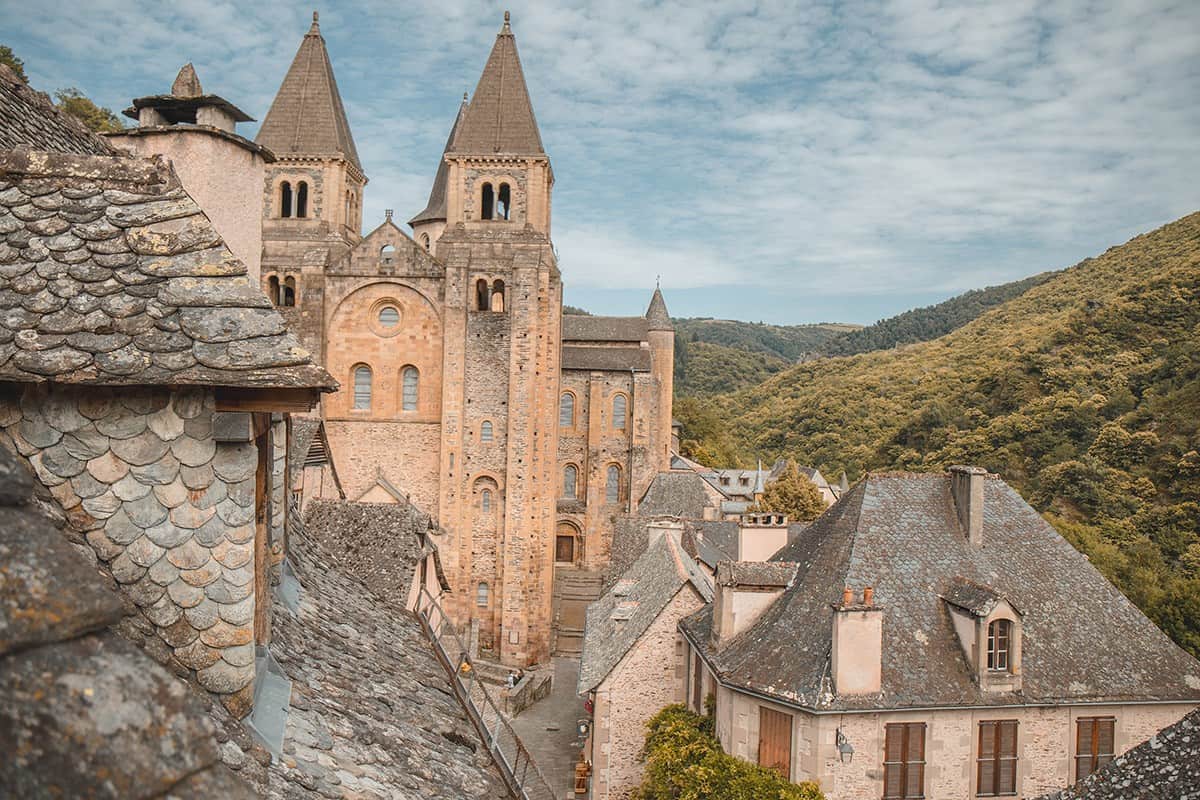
(523, 432)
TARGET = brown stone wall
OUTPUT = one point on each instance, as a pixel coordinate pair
(648, 678)
(168, 511)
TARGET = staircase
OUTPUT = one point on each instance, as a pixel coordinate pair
(574, 590)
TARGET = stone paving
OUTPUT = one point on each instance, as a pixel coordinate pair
(548, 729)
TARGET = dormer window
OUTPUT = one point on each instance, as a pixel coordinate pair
(999, 640)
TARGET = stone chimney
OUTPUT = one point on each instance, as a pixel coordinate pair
(966, 487)
(742, 591)
(663, 527)
(857, 653)
(760, 535)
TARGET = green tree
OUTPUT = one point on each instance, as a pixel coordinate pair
(792, 493)
(78, 105)
(10, 60)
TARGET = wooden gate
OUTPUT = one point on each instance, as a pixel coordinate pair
(574, 590)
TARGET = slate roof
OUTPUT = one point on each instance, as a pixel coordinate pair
(307, 117)
(677, 494)
(1165, 767)
(435, 209)
(111, 274)
(309, 447)
(637, 598)
(581, 328)
(622, 359)
(28, 117)
(972, 598)
(500, 117)
(657, 318)
(372, 714)
(85, 712)
(1082, 640)
(379, 543)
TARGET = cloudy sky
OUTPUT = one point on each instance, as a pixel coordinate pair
(779, 161)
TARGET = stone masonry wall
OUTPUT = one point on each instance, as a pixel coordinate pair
(646, 680)
(168, 511)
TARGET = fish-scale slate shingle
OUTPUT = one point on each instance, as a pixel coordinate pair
(111, 274)
(1083, 641)
(85, 713)
(630, 606)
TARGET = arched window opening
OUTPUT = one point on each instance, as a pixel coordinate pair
(498, 296)
(302, 199)
(349, 206)
(362, 387)
(285, 199)
(612, 485)
(387, 253)
(482, 295)
(273, 289)
(482, 594)
(289, 291)
(485, 431)
(425, 241)
(570, 480)
(410, 383)
(487, 202)
(619, 410)
(485, 501)
(503, 201)
(999, 645)
(566, 410)
(389, 317)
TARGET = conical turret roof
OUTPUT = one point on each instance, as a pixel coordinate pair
(307, 117)
(500, 117)
(435, 209)
(657, 318)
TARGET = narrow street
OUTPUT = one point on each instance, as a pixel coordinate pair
(549, 729)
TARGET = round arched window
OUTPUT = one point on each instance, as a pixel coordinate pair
(389, 316)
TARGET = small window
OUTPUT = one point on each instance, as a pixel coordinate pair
(999, 640)
(502, 202)
(566, 410)
(564, 549)
(302, 199)
(425, 241)
(1094, 739)
(483, 295)
(362, 387)
(904, 760)
(285, 199)
(485, 432)
(612, 485)
(387, 254)
(289, 291)
(273, 289)
(570, 479)
(349, 205)
(997, 760)
(410, 384)
(482, 594)
(485, 501)
(619, 408)
(487, 201)
(389, 316)
(498, 296)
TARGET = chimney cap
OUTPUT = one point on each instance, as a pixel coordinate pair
(963, 469)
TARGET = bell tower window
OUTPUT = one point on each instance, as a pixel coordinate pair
(285, 199)
(503, 202)
(289, 291)
(487, 202)
(273, 289)
(302, 199)
(498, 295)
(483, 295)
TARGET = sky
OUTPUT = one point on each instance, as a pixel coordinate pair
(785, 162)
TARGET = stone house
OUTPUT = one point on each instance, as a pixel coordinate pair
(931, 636)
(521, 431)
(630, 667)
(147, 382)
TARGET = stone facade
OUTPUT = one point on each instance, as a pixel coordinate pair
(168, 510)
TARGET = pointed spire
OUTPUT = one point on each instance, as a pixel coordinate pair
(656, 314)
(187, 84)
(759, 488)
(435, 209)
(307, 116)
(500, 117)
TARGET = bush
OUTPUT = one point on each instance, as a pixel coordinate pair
(685, 762)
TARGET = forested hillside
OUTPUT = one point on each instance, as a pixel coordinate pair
(788, 342)
(1083, 392)
(930, 322)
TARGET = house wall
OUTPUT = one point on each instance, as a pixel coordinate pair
(760, 543)
(649, 677)
(168, 511)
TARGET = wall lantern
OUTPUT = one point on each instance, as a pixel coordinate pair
(845, 749)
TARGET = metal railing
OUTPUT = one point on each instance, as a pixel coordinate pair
(515, 763)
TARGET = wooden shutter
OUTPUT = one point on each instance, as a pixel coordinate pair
(697, 684)
(775, 741)
(1095, 738)
(904, 760)
(997, 759)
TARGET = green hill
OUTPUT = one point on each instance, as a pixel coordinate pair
(930, 322)
(1083, 392)
(788, 342)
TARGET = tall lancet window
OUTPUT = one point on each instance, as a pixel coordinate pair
(487, 201)
(503, 202)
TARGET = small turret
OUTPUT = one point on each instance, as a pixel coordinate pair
(656, 314)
